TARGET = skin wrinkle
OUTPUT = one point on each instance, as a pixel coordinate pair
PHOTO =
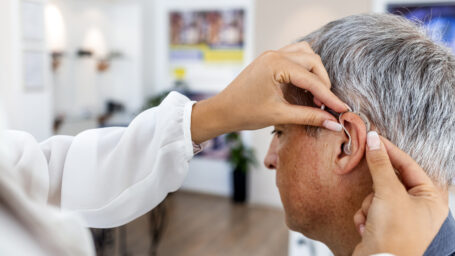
(387, 68)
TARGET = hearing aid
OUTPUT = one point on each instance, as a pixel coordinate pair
(347, 146)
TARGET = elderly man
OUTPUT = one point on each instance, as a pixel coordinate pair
(386, 68)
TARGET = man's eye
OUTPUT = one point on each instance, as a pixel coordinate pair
(278, 133)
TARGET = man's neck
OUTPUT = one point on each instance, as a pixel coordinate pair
(338, 231)
(342, 237)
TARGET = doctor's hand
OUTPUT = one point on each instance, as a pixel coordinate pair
(255, 100)
(401, 218)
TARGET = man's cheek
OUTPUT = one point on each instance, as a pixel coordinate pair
(279, 179)
(285, 185)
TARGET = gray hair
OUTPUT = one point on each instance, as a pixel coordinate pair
(388, 68)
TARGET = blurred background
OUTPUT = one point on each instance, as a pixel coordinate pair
(71, 65)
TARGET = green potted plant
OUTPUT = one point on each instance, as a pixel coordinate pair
(240, 158)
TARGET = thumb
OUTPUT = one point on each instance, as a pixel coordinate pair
(360, 249)
(381, 169)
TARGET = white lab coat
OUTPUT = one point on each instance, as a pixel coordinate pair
(105, 177)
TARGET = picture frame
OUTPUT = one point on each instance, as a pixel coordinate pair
(208, 76)
(34, 70)
(32, 20)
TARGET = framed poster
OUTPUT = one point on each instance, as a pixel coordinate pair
(208, 41)
(34, 70)
(32, 20)
(207, 36)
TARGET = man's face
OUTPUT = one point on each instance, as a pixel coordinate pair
(303, 177)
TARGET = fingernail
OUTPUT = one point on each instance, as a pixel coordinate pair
(373, 141)
(361, 229)
(348, 107)
(333, 126)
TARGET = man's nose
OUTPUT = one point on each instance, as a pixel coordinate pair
(270, 160)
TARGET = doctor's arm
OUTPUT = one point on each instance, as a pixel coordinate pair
(109, 176)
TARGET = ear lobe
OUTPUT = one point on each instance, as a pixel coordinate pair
(357, 129)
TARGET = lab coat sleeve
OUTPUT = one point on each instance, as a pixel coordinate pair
(111, 176)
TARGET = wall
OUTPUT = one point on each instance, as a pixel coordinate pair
(77, 86)
(32, 111)
(127, 85)
(149, 43)
(75, 80)
(103, 27)
(6, 52)
(25, 110)
(276, 27)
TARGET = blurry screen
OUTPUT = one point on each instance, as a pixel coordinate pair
(438, 18)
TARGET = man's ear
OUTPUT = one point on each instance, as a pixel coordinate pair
(357, 129)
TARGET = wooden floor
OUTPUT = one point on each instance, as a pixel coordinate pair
(203, 225)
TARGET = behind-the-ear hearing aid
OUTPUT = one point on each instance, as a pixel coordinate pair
(347, 146)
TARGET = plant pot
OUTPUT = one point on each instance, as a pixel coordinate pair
(239, 181)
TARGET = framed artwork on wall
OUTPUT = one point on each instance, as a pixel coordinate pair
(34, 55)
(34, 70)
(32, 20)
(208, 41)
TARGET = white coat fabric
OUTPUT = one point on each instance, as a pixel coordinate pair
(106, 177)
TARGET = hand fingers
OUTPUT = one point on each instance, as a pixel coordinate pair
(313, 63)
(360, 250)
(301, 77)
(303, 54)
(298, 47)
(304, 115)
(382, 173)
(412, 174)
(360, 220)
(367, 203)
(360, 217)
